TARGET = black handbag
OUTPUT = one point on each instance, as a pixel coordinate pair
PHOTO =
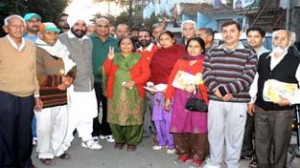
(195, 104)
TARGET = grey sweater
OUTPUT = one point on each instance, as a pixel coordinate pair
(81, 53)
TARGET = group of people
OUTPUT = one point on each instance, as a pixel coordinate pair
(94, 82)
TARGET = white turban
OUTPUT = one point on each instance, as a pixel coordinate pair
(73, 19)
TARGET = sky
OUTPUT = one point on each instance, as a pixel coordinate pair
(87, 8)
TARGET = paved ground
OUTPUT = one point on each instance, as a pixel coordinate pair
(108, 157)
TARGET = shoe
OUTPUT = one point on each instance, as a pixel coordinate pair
(34, 141)
(95, 138)
(246, 157)
(91, 144)
(171, 151)
(110, 138)
(102, 137)
(131, 148)
(48, 162)
(196, 163)
(33, 166)
(119, 146)
(183, 158)
(157, 147)
(65, 156)
(253, 164)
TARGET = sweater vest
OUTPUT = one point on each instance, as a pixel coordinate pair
(284, 71)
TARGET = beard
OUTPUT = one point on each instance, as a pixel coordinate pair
(144, 43)
(279, 49)
(78, 33)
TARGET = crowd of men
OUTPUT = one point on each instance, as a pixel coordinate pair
(234, 74)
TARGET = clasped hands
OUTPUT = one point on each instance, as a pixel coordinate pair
(66, 82)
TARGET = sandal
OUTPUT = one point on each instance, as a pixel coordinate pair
(119, 146)
(131, 148)
(48, 162)
(65, 156)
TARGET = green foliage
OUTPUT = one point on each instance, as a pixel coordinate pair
(50, 10)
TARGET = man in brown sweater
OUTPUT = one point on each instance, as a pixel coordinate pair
(19, 94)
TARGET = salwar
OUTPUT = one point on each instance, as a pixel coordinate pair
(52, 124)
(272, 129)
(193, 145)
(163, 135)
(82, 111)
(130, 135)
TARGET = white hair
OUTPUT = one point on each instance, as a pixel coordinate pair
(292, 35)
(7, 19)
(190, 22)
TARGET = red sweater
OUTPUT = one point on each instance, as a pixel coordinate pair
(148, 54)
(139, 73)
(163, 62)
(183, 65)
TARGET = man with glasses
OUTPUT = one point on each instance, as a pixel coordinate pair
(101, 44)
(274, 114)
(147, 50)
(33, 22)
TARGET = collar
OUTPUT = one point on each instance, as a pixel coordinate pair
(148, 48)
(71, 35)
(239, 46)
(272, 55)
(261, 50)
(19, 48)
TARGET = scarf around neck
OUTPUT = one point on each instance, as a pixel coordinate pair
(58, 50)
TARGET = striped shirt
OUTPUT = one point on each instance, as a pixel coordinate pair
(233, 71)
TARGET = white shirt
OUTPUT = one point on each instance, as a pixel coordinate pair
(275, 61)
(12, 42)
(148, 48)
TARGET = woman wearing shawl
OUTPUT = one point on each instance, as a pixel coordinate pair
(189, 128)
(126, 73)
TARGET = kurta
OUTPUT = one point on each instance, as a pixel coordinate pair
(184, 121)
(125, 106)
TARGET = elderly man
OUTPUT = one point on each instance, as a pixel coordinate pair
(188, 30)
(53, 64)
(19, 91)
(255, 39)
(101, 44)
(207, 34)
(157, 29)
(83, 103)
(274, 116)
(122, 31)
(33, 22)
(229, 70)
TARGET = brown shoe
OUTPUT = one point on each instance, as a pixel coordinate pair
(131, 148)
(48, 162)
(33, 166)
(65, 156)
(119, 146)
